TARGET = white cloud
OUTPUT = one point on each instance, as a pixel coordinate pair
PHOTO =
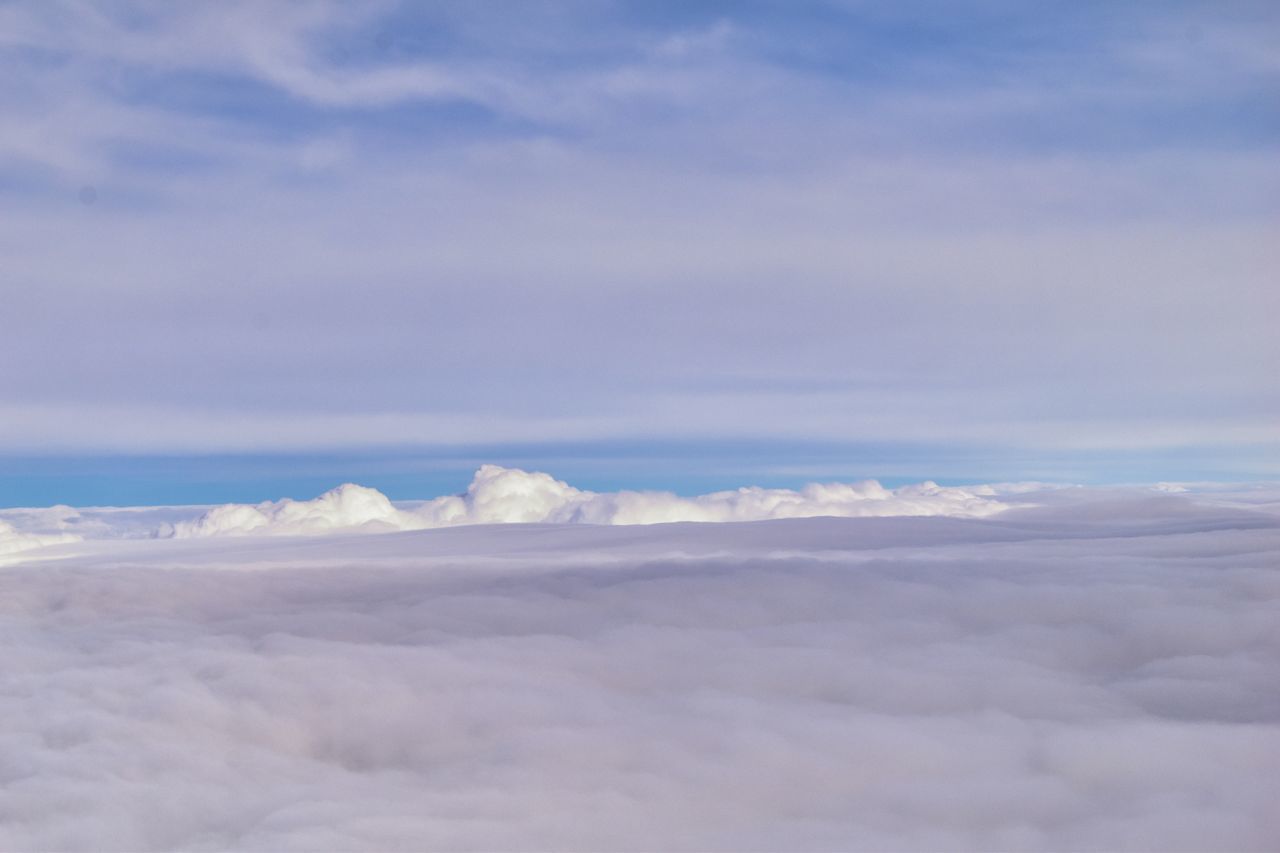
(1045, 680)
(500, 495)
(348, 507)
(13, 541)
(656, 194)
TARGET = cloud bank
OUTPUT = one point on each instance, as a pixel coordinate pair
(1047, 679)
(348, 507)
(500, 495)
(13, 540)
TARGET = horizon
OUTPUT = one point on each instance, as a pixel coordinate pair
(207, 479)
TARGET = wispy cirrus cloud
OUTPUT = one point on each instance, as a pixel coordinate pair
(356, 226)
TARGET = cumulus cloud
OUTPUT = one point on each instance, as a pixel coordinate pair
(13, 540)
(500, 495)
(348, 507)
(1040, 680)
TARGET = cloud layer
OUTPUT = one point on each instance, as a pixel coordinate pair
(13, 540)
(1046, 679)
(499, 495)
(629, 222)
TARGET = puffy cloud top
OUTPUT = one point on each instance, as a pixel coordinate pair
(13, 540)
(499, 495)
(348, 507)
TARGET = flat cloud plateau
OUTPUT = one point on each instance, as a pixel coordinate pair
(1101, 671)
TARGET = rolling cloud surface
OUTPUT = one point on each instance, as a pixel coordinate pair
(1100, 673)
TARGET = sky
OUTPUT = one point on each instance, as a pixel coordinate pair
(250, 250)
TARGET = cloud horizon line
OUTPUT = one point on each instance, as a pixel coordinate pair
(501, 495)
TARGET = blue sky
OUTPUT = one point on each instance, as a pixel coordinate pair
(253, 249)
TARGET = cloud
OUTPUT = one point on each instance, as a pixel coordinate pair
(282, 49)
(577, 186)
(499, 495)
(13, 540)
(1040, 680)
(348, 507)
